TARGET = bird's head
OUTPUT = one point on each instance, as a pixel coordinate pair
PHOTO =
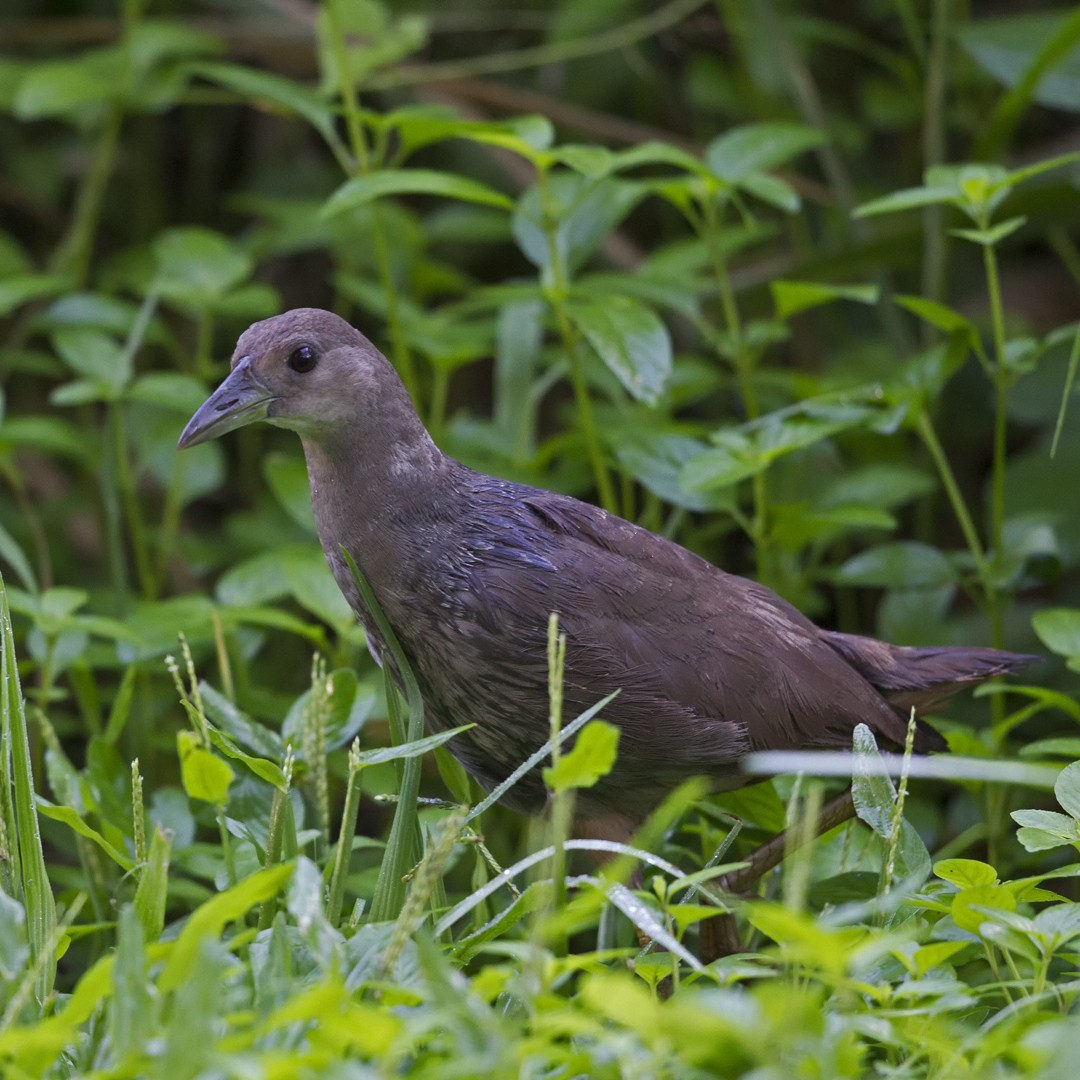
(307, 370)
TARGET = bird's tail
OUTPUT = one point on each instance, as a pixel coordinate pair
(922, 678)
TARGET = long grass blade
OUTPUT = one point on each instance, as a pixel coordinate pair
(36, 893)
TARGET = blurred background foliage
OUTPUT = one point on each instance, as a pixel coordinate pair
(795, 284)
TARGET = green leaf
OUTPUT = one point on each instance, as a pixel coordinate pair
(1012, 48)
(993, 235)
(377, 185)
(904, 564)
(752, 148)
(350, 704)
(153, 887)
(966, 873)
(909, 199)
(16, 291)
(259, 87)
(211, 918)
(943, 317)
(71, 818)
(96, 356)
(1059, 630)
(197, 266)
(288, 479)
(261, 767)
(13, 555)
(67, 88)
(412, 749)
(582, 212)
(204, 775)
(591, 161)
(792, 297)
(1067, 790)
(590, 759)
(632, 341)
(965, 902)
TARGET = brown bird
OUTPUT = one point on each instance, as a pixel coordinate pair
(467, 567)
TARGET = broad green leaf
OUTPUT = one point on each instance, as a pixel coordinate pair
(965, 903)
(205, 776)
(1010, 48)
(16, 291)
(261, 767)
(1064, 827)
(792, 297)
(591, 161)
(197, 266)
(632, 341)
(966, 873)
(904, 564)
(170, 390)
(657, 153)
(943, 317)
(68, 88)
(1067, 789)
(734, 458)
(772, 190)
(1059, 630)
(581, 213)
(96, 356)
(208, 921)
(377, 185)
(349, 705)
(258, 87)
(288, 479)
(591, 758)
(753, 148)
(420, 126)
(655, 459)
(237, 724)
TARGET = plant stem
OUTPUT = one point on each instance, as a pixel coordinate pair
(1001, 388)
(935, 239)
(129, 498)
(556, 292)
(364, 163)
(74, 252)
(952, 490)
(561, 799)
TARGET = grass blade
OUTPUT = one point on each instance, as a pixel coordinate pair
(36, 893)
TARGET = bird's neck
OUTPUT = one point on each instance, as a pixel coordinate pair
(368, 483)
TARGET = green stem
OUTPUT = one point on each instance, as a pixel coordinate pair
(73, 254)
(561, 798)
(935, 239)
(129, 498)
(344, 844)
(1001, 388)
(617, 38)
(365, 161)
(956, 498)
(742, 361)
(226, 847)
(556, 293)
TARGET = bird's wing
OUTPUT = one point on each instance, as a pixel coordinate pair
(642, 611)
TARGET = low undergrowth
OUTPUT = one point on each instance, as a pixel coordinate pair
(797, 292)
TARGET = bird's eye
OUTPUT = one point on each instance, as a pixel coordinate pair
(302, 359)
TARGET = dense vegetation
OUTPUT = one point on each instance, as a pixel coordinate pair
(793, 284)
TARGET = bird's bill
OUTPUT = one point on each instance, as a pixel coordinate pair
(239, 400)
